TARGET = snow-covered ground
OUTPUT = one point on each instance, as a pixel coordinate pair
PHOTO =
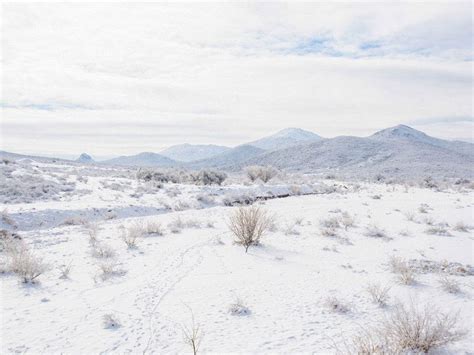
(303, 290)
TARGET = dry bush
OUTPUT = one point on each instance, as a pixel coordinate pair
(405, 273)
(408, 330)
(374, 231)
(329, 232)
(462, 227)
(103, 251)
(336, 305)
(65, 270)
(378, 293)
(438, 230)
(5, 216)
(449, 284)
(347, 220)
(290, 229)
(264, 173)
(92, 230)
(332, 222)
(74, 221)
(249, 224)
(423, 208)
(193, 336)
(26, 265)
(108, 269)
(238, 308)
(154, 228)
(410, 216)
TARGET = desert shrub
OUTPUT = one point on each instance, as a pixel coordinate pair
(238, 308)
(102, 251)
(405, 273)
(208, 177)
(26, 265)
(65, 270)
(329, 232)
(374, 231)
(408, 330)
(153, 228)
(347, 220)
(332, 222)
(110, 321)
(438, 230)
(410, 216)
(462, 227)
(449, 284)
(378, 293)
(248, 224)
(74, 221)
(108, 269)
(264, 173)
(131, 235)
(336, 305)
(376, 197)
(423, 208)
(92, 230)
(290, 229)
(192, 336)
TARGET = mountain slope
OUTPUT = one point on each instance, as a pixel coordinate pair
(193, 152)
(230, 159)
(285, 138)
(397, 151)
(142, 159)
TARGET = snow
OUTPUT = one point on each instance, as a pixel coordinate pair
(271, 299)
(285, 138)
(192, 152)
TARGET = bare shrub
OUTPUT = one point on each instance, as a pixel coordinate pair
(410, 216)
(449, 284)
(378, 293)
(329, 232)
(249, 224)
(110, 321)
(264, 173)
(438, 230)
(103, 251)
(374, 231)
(347, 220)
(290, 229)
(93, 231)
(462, 227)
(332, 222)
(65, 270)
(74, 221)
(154, 228)
(208, 177)
(336, 305)
(423, 208)
(408, 330)
(108, 269)
(405, 273)
(238, 308)
(26, 265)
(192, 336)
(131, 235)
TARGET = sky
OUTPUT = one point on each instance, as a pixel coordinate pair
(121, 78)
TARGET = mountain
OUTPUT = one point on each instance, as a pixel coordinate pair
(405, 133)
(193, 152)
(85, 158)
(230, 159)
(285, 138)
(396, 151)
(142, 159)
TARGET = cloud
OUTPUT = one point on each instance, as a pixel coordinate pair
(78, 74)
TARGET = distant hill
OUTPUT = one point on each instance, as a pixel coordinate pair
(85, 158)
(193, 152)
(142, 159)
(285, 138)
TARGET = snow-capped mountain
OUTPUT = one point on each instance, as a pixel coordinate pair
(85, 158)
(285, 138)
(399, 150)
(192, 152)
(142, 159)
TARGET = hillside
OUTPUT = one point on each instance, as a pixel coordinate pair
(193, 152)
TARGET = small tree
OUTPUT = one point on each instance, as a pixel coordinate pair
(264, 173)
(248, 224)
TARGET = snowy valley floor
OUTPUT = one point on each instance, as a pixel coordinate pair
(302, 290)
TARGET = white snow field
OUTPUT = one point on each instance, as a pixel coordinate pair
(302, 290)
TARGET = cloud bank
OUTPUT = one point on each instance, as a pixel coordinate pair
(116, 78)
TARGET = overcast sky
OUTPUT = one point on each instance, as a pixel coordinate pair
(113, 79)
